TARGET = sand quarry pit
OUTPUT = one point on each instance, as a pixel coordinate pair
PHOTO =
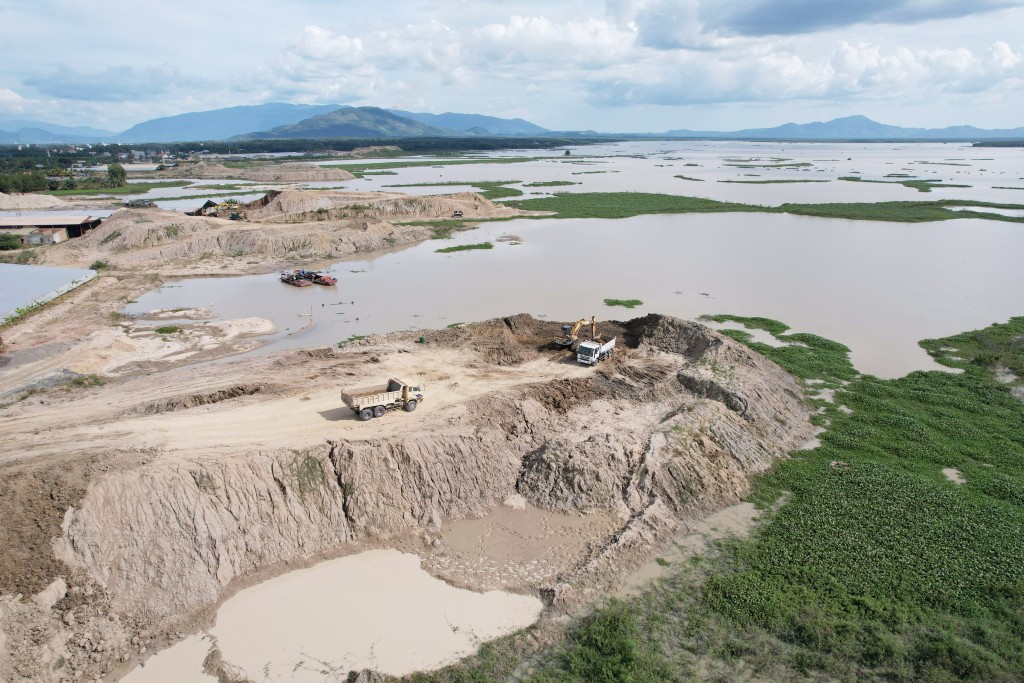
(133, 509)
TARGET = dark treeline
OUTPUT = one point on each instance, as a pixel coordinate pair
(29, 156)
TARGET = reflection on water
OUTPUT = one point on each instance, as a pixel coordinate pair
(877, 287)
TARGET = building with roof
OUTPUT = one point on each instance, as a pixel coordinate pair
(47, 229)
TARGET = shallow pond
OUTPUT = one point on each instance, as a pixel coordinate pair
(377, 609)
(877, 287)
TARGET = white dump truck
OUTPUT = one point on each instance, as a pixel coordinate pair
(370, 402)
(590, 352)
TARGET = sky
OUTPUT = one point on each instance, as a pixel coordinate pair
(609, 66)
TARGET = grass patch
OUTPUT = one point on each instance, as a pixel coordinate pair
(99, 264)
(465, 247)
(686, 177)
(795, 164)
(85, 381)
(627, 303)
(359, 170)
(917, 184)
(626, 204)
(167, 329)
(550, 183)
(771, 182)
(352, 338)
(131, 188)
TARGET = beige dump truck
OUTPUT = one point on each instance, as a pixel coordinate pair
(370, 402)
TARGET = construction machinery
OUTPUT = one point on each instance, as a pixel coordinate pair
(570, 333)
(371, 402)
(593, 351)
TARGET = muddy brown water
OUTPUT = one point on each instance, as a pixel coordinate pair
(377, 609)
(877, 287)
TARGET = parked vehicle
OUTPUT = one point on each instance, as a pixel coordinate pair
(371, 402)
(592, 352)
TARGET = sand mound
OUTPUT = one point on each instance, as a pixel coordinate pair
(142, 238)
(12, 202)
(292, 205)
(295, 173)
(270, 173)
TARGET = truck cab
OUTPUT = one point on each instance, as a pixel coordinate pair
(591, 352)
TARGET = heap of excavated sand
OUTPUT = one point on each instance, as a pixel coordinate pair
(12, 202)
(313, 205)
(295, 173)
(275, 173)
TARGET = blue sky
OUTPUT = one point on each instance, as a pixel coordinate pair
(612, 66)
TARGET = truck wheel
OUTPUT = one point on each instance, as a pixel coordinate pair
(378, 411)
(410, 406)
(365, 414)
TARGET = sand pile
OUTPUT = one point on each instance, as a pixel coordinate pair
(13, 202)
(292, 205)
(269, 173)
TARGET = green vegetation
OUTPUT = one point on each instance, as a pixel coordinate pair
(116, 175)
(99, 265)
(684, 177)
(131, 188)
(22, 311)
(359, 169)
(795, 164)
(771, 182)
(625, 204)
(550, 183)
(85, 381)
(167, 329)
(9, 242)
(919, 185)
(352, 338)
(465, 247)
(628, 303)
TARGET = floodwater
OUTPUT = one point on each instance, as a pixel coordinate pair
(877, 287)
(763, 173)
(377, 609)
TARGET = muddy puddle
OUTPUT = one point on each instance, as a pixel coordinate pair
(377, 609)
(877, 287)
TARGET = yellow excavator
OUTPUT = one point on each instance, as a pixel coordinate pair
(570, 333)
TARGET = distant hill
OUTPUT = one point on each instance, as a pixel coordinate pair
(852, 128)
(474, 124)
(220, 124)
(351, 122)
(40, 132)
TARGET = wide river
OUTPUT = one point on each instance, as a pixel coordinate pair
(877, 287)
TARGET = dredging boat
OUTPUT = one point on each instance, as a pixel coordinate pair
(316, 276)
(294, 280)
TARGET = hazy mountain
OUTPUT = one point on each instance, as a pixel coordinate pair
(852, 128)
(21, 131)
(475, 124)
(219, 124)
(351, 122)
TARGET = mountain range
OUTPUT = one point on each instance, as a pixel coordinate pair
(852, 128)
(302, 121)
